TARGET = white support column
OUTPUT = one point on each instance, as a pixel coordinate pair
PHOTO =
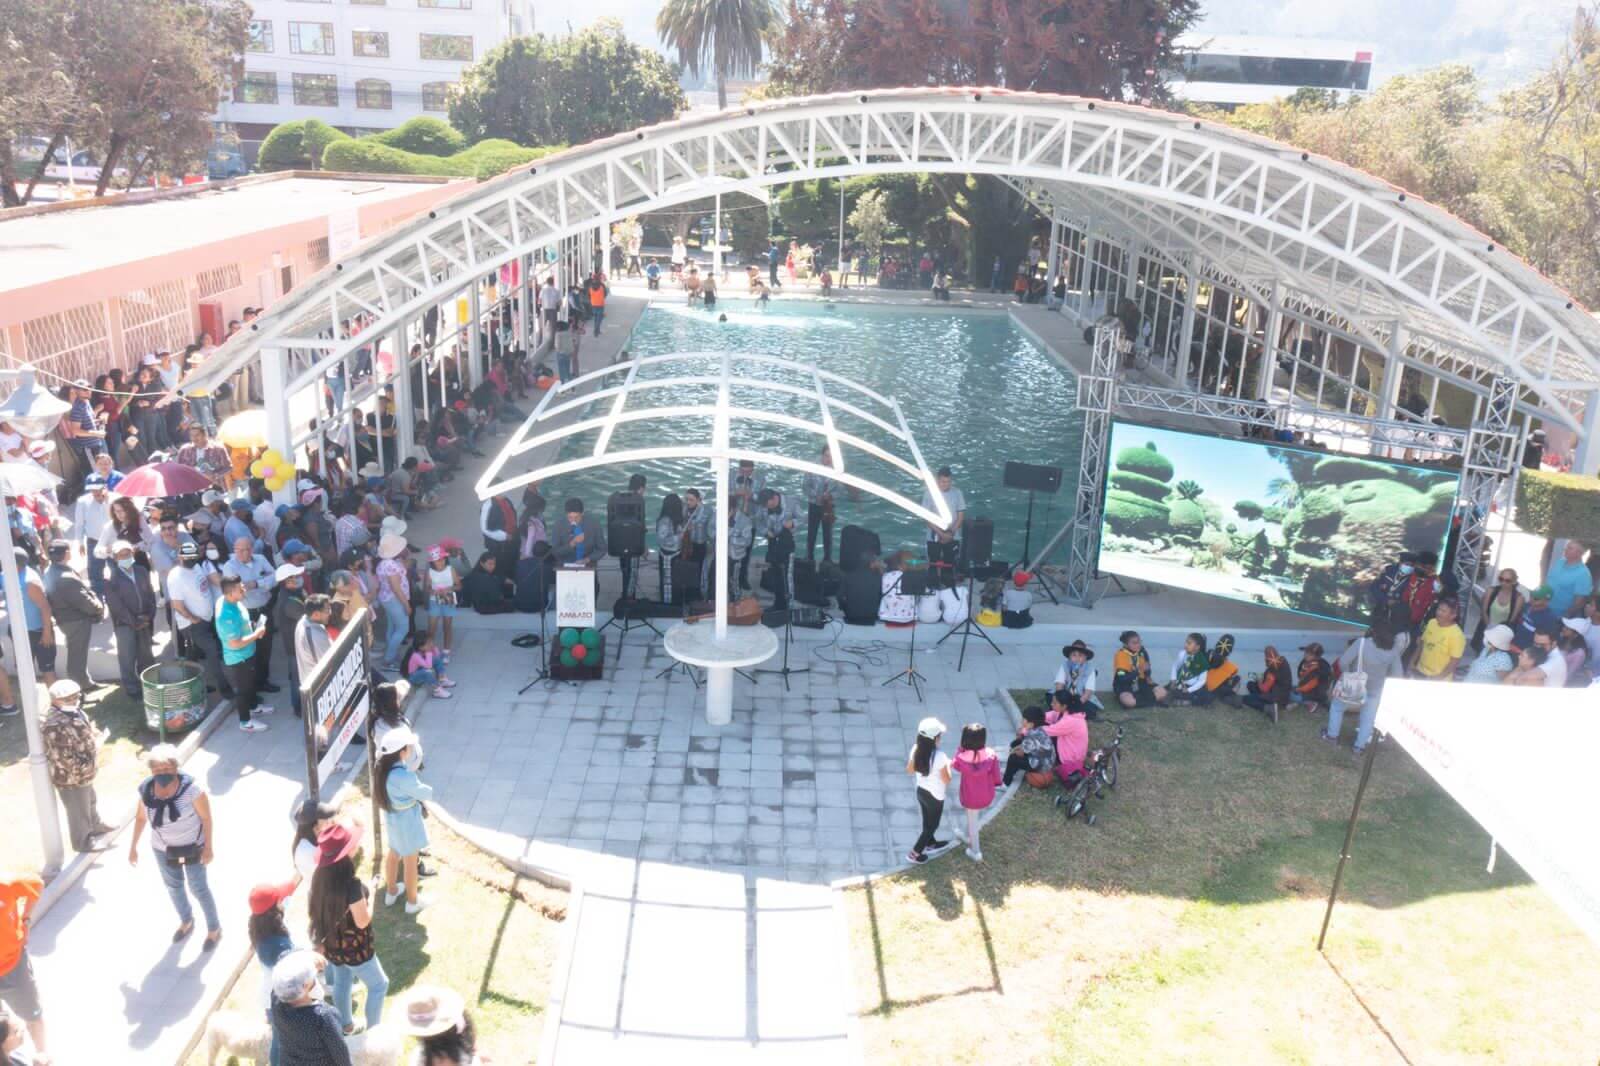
(1393, 369)
(405, 410)
(1086, 289)
(1054, 263)
(34, 701)
(474, 352)
(1269, 345)
(1191, 289)
(275, 403)
(1587, 460)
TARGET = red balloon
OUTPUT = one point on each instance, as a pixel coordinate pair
(579, 652)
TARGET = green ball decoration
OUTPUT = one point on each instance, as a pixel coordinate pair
(567, 659)
(591, 638)
(569, 637)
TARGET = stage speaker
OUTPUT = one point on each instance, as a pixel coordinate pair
(808, 583)
(854, 542)
(625, 507)
(625, 537)
(978, 541)
(1031, 478)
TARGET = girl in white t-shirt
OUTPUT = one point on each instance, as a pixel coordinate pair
(931, 767)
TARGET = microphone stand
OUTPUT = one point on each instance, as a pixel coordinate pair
(544, 639)
(910, 674)
(788, 633)
(967, 627)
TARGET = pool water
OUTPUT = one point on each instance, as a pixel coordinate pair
(974, 390)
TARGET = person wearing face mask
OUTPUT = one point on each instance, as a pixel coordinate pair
(177, 812)
(288, 607)
(305, 1028)
(72, 748)
(1389, 588)
(192, 589)
(75, 608)
(256, 574)
(133, 616)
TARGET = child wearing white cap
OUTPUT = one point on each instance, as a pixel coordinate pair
(931, 767)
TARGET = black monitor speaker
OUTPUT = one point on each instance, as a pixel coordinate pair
(625, 507)
(625, 537)
(1033, 478)
(854, 541)
(978, 536)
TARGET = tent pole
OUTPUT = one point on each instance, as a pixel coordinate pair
(1349, 836)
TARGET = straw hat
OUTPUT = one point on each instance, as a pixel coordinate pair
(391, 545)
(428, 1010)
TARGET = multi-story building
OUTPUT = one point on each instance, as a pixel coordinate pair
(1229, 71)
(361, 65)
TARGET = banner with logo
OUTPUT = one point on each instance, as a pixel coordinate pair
(575, 598)
(336, 695)
(1521, 762)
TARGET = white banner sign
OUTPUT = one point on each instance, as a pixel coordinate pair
(1521, 762)
(575, 598)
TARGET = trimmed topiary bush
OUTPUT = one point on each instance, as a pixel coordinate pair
(285, 148)
(423, 136)
(1139, 485)
(1558, 505)
(1135, 516)
(1249, 510)
(1338, 469)
(1146, 461)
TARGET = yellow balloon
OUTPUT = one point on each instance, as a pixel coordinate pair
(272, 457)
(258, 467)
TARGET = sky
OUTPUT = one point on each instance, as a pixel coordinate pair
(1504, 40)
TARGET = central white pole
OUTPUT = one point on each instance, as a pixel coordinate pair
(720, 516)
(716, 242)
(44, 793)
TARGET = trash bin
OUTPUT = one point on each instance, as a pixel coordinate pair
(174, 696)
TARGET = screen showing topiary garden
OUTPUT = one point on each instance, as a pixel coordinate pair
(1287, 527)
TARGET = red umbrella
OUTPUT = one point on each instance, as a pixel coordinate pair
(163, 479)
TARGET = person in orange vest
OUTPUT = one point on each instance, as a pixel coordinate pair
(19, 894)
(597, 298)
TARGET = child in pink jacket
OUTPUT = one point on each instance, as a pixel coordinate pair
(1071, 730)
(979, 768)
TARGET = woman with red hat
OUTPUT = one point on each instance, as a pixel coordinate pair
(341, 925)
(269, 938)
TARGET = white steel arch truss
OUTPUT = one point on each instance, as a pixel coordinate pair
(1371, 253)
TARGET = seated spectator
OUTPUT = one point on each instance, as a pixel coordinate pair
(1222, 674)
(1033, 751)
(895, 607)
(485, 590)
(1131, 679)
(425, 666)
(1189, 672)
(1016, 602)
(1495, 661)
(1575, 650)
(1529, 671)
(1076, 677)
(1273, 689)
(1313, 678)
(1070, 729)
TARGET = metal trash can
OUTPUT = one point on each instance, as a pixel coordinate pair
(174, 696)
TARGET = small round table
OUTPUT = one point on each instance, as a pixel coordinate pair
(697, 645)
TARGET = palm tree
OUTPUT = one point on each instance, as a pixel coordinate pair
(725, 35)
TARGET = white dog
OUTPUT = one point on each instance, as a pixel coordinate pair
(229, 1033)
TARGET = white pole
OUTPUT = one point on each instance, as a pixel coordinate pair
(722, 545)
(716, 241)
(843, 266)
(44, 793)
(275, 394)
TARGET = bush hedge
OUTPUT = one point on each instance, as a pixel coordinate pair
(485, 159)
(424, 136)
(1558, 505)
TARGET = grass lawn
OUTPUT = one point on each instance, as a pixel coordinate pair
(1182, 926)
(490, 935)
(120, 768)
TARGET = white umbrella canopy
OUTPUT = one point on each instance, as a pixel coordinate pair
(19, 479)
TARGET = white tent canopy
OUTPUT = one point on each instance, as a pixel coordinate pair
(1539, 809)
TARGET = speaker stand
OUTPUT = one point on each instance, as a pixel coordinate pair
(966, 629)
(909, 675)
(625, 622)
(544, 646)
(788, 635)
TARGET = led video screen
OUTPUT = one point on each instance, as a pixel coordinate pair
(1286, 527)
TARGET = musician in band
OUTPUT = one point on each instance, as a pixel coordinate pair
(746, 491)
(777, 520)
(630, 563)
(819, 492)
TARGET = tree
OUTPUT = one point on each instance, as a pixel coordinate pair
(539, 90)
(869, 222)
(726, 35)
(38, 94)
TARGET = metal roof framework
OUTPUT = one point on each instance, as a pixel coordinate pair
(1403, 274)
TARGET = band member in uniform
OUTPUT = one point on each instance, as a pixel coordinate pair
(819, 492)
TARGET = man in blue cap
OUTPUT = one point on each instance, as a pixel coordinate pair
(241, 523)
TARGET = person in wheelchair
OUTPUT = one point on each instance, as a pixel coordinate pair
(1033, 751)
(1065, 722)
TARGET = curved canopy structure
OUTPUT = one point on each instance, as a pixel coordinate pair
(1399, 276)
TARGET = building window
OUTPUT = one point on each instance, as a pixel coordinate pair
(450, 46)
(369, 44)
(316, 90)
(435, 96)
(260, 37)
(373, 94)
(452, 5)
(311, 38)
(317, 253)
(256, 87)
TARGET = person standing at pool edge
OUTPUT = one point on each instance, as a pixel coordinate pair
(931, 767)
(953, 498)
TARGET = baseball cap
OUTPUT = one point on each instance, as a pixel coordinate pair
(241, 504)
(58, 549)
(210, 496)
(287, 570)
(80, 383)
(94, 481)
(265, 897)
(188, 550)
(65, 689)
(121, 546)
(931, 728)
(295, 546)
(1543, 592)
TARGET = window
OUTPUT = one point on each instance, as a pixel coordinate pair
(1279, 70)
(260, 37)
(256, 87)
(317, 253)
(156, 318)
(435, 96)
(316, 90)
(448, 46)
(374, 94)
(453, 5)
(217, 279)
(370, 44)
(311, 38)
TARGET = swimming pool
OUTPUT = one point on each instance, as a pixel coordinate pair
(974, 389)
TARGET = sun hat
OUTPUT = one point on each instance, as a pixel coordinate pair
(121, 546)
(287, 570)
(390, 545)
(392, 524)
(65, 689)
(1498, 637)
(41, 448)
(1543, 592)
(1078, 645)
(396, 739)
(294, 973)
(1578, 625)
(931, 728)
(428, 1010)
(370, 470)
(265, 897)
(338, 841)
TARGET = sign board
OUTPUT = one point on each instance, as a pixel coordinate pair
(336, 696)
(575, 598)
(1546, 822)
(344, 231)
